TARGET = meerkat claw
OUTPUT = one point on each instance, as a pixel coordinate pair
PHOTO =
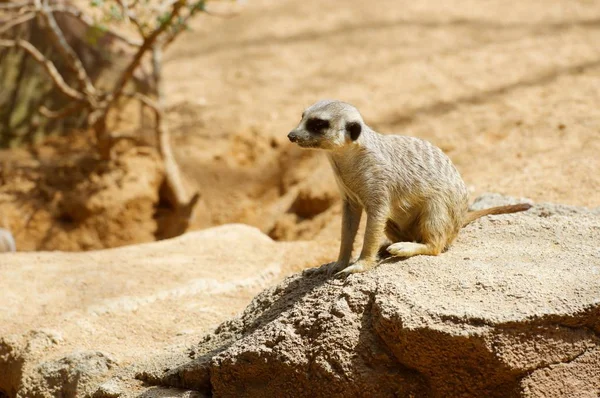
(345, 272)
(355, 268)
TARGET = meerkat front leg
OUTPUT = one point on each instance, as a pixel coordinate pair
(351, 214)
(373, 235)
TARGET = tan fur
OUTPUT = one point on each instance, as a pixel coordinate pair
(475, 214)
(409, 189)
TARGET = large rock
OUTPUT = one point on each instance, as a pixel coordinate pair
(69, 321)
(512, 309)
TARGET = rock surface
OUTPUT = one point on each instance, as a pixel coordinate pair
(69, 321)
(512, 309)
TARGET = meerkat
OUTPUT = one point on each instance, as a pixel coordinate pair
(7, 242)
(409, 189)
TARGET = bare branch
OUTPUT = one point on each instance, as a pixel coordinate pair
(143, 99)
(195, 7)
(147, 45)
(48, 66)
(90, 22)
(131, 17)
(10, 24)
(9, 5)
(64, 112)
(198, 6)
(125, 8)
(163, 6)
(177, 193)
(64, 48)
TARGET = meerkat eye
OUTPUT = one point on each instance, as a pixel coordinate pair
(316, 125)
(354, 128)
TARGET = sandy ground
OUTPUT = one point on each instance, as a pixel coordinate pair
(509, 91)
(472, 322)
(85, 315)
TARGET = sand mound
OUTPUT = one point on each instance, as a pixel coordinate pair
(62, 197)
(71, 320)
(511, 309)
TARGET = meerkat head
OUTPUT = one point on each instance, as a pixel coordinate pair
(328, 125)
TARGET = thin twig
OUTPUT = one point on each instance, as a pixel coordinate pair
(48, 66)
(147, 45)
(90, 22)
(143, 99)
(64, 48)
(99, 115)
(195, 8)
(125, 8)
(161, 131)
(161, 7)
(173, 179)
(64, 112)
(131, 17)
(16, 21)
(9, 5)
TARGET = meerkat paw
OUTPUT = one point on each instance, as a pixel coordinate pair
(329, 269)
(357, 267)
(335, 267)
(407, 249)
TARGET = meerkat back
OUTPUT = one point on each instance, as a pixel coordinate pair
(424, 171)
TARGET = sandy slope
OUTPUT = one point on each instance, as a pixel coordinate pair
(70, 319)
(510, 91)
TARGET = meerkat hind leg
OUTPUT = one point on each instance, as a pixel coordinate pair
(409, 249)
(401, 247)
(433, 229)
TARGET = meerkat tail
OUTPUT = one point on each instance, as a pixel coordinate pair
(475, 214)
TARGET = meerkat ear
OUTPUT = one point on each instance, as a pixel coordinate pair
(354, 128)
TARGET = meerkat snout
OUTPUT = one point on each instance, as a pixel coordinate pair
(293, 137)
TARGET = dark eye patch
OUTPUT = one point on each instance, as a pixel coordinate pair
(316, 125)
